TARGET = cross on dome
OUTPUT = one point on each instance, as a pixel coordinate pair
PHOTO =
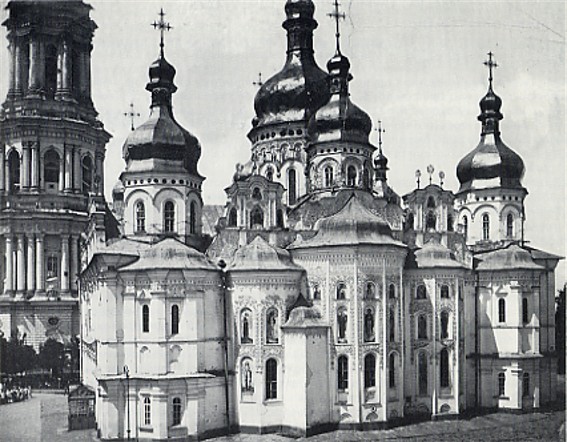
(131, 114)
(258, 83)
(380, 132)
(491, 65)
(162, 26)
(336, 15)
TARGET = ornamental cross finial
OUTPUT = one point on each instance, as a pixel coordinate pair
(491, 65)
(258, 83)
(380, 132)
(336, 15)
(162, 26)
(131, 114)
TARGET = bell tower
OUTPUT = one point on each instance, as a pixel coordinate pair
(52, 148)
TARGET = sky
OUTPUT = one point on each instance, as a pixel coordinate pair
(417, 66)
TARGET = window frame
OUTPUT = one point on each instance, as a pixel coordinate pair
(174, 319)
(271, 380)
(140, 216)
(147, 411)
(145, 318)
(342, 373)
(169, 217)
(176, 411)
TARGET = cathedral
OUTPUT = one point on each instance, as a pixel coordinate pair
(317, 298)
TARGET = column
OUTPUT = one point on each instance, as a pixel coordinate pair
(34, 166)
(31, 264)
(74, 262)
(34, 57)
(99, 173)
(87, 71)
(20, 265)
(9, 286)
(6, 176)
(61, 171)
(64, 263)
(12, 49)
(17, 68)
(76, 170)
(25, 167)
(39, 264)
(67, 166)
(2, 166)
(64, 77)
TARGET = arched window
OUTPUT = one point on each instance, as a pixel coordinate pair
(270, 174)
(174, 319)
(444, 368)
(422, 374)
(50, 70)
(525, 313)
(341, 290)
(431, 202)
(450, 223)
(525, 384)
(392, 324)
(409, 221)
(147, 411)
(501, 384)
(351, 176)
(369, 371)
(370, 290)
(369, 325)
(246, 373)
(169, 217)
(392, 371)
(430, 221)
(146, 318)
(256, 194)
(140, 217)
(342, 371)
(192, 218)
(501, 310)
(176, 414)
(445, 291)
(421, 292)
(14, 170)
(316, 291)
(256, 218)
(392, 291)
(246, 327)
(271, 326)
(87, 169)
(510, 226)
(342, 322)
(232, 217)
(271, 379)
(485, 227)
(465, 227)
(329, 178)
(279, 219)
(422, 327)
(444, 324)
(292, 186)
(51, 167)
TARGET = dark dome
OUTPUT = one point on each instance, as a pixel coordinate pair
(300, 88)
(161, 137)
(380, 161)
(492, 163)
(340, 119)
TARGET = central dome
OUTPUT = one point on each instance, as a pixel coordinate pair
(300, 88)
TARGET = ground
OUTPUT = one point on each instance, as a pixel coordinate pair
(44, 418)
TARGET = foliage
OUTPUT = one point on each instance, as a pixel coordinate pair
(15, 357)
(51, 356)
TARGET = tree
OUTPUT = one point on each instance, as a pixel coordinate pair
(52, 356)
(560, 329)
(16, 357)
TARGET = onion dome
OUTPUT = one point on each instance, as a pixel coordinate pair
(161, 136)
(492, 163)
(259, 255)
(300, 88)
(354, 224)
(339, 119)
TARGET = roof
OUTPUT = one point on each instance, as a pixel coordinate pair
(305, 317)
(512, 257)
(170, 254)
(354, 224)
(436, 255)
(540, 254)
(261, 256)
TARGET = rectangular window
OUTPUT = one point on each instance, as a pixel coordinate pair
(147, 411)
(52, 266)
(501, 384)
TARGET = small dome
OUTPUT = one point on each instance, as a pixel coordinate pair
(118, 188)
(380, 161)
(161, 73)
(490, 102)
